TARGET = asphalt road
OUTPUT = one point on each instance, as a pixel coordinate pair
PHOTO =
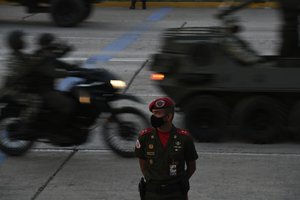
(121, 40)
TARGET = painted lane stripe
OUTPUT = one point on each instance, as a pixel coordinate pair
(110, 60)
(118, 45)
(128, 59)
(128, 38)
(200, 152)
(2, 158)
(159, 15)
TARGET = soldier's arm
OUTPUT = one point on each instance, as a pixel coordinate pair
(191, 168)
(190, 155)
(142, 165)
(140, 149)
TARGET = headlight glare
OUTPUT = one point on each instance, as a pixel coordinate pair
(118, 84)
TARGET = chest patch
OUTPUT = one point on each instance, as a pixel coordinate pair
(150, 153)
(138, 144)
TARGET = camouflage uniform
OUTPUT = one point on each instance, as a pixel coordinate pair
(239, 49)
(165, 173)
(18, 84)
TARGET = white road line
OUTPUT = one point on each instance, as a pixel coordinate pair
(128, 59)
(200, 153)
(251, 154)
(69, 150)
(110, 60)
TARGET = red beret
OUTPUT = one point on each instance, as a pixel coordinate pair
(161, 103)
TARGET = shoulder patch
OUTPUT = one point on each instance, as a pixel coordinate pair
(146, 131)
(183, 132)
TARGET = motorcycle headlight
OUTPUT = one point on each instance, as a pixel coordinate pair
(118, 84)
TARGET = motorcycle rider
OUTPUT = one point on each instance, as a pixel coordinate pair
(50, 68)
(290, 10)
(34, 75)
(237, 47)
(20, 68)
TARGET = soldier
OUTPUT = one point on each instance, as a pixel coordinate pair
(133, 2)
(19, 77)
(167, 155)
(31, 78)
(19, 65)
(290, 10)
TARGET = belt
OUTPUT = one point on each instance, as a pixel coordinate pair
(163, 188)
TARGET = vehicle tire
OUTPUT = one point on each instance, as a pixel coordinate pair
(259, 119)
(8, 146)
(206, 118)
(294, 122)
(88, 10)
(122, 128)
(67, 13)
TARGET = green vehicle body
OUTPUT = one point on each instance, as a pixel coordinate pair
(225, 90)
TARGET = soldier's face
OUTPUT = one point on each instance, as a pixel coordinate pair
(159, 113)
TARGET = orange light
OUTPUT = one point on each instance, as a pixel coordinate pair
(157, 77)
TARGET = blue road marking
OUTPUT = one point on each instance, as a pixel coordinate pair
(101, 58)
(160, 14)
(2, 158)
(127, 39)
(119, 44)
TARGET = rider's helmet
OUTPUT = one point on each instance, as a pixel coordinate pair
(49, 43)
(15, 40)
(46, 39)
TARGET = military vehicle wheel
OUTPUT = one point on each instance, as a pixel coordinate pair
(206, 118)
(259, 119)
(88, 10)
(294, 121)
(68, 13)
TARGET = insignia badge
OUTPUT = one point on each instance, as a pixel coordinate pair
(160, 103)
(175, 136)
(150, 153)
(152, 136)
(151, 161)
(173, 170)
(138, 144)
(150, 146)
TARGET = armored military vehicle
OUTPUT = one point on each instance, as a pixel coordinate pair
(224, 88)
(65, 13)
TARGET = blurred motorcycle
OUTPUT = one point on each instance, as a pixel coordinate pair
(93, 91)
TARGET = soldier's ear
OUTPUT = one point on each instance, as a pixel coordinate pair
(170, 116)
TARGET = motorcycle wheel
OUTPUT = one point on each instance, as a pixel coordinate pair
(122, 128)
(10, 146)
